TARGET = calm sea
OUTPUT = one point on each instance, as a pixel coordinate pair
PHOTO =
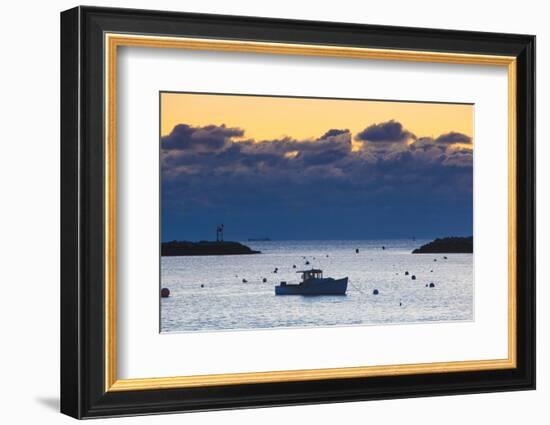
(226, 303)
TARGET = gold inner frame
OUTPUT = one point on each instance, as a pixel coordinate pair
(113, 41)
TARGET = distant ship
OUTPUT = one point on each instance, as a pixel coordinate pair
(259, 240)
(313, 283)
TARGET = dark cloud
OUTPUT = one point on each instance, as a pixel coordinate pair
(443, 149)
(200, 139)
(213, 172)
(453, 137)
(221, 150)
(391, 131)
(334, 132)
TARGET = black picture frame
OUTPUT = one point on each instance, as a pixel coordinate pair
(83, 392)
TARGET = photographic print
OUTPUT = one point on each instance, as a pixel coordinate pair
(258, 184)
(295, 212)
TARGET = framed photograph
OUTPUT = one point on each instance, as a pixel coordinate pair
(261, 212)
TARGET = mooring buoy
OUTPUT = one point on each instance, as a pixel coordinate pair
(165, 292)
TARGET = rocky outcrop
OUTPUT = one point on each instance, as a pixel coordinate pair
(187, 248)
(452, 245)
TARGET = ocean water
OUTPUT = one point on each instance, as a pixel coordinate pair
(226, 303)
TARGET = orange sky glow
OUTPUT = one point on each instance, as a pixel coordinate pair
(268, 118)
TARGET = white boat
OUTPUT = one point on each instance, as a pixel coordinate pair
(313, 283)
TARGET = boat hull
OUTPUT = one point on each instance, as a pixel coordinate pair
(315, 287)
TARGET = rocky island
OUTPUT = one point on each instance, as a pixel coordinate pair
(452, 245)
(187, 248)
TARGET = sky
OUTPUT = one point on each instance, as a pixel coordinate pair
(313, 168)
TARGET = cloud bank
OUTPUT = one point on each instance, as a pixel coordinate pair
(380, 174)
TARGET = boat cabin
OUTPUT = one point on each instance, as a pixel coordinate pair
(311, 274)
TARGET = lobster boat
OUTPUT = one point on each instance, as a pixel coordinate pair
(313, 283)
